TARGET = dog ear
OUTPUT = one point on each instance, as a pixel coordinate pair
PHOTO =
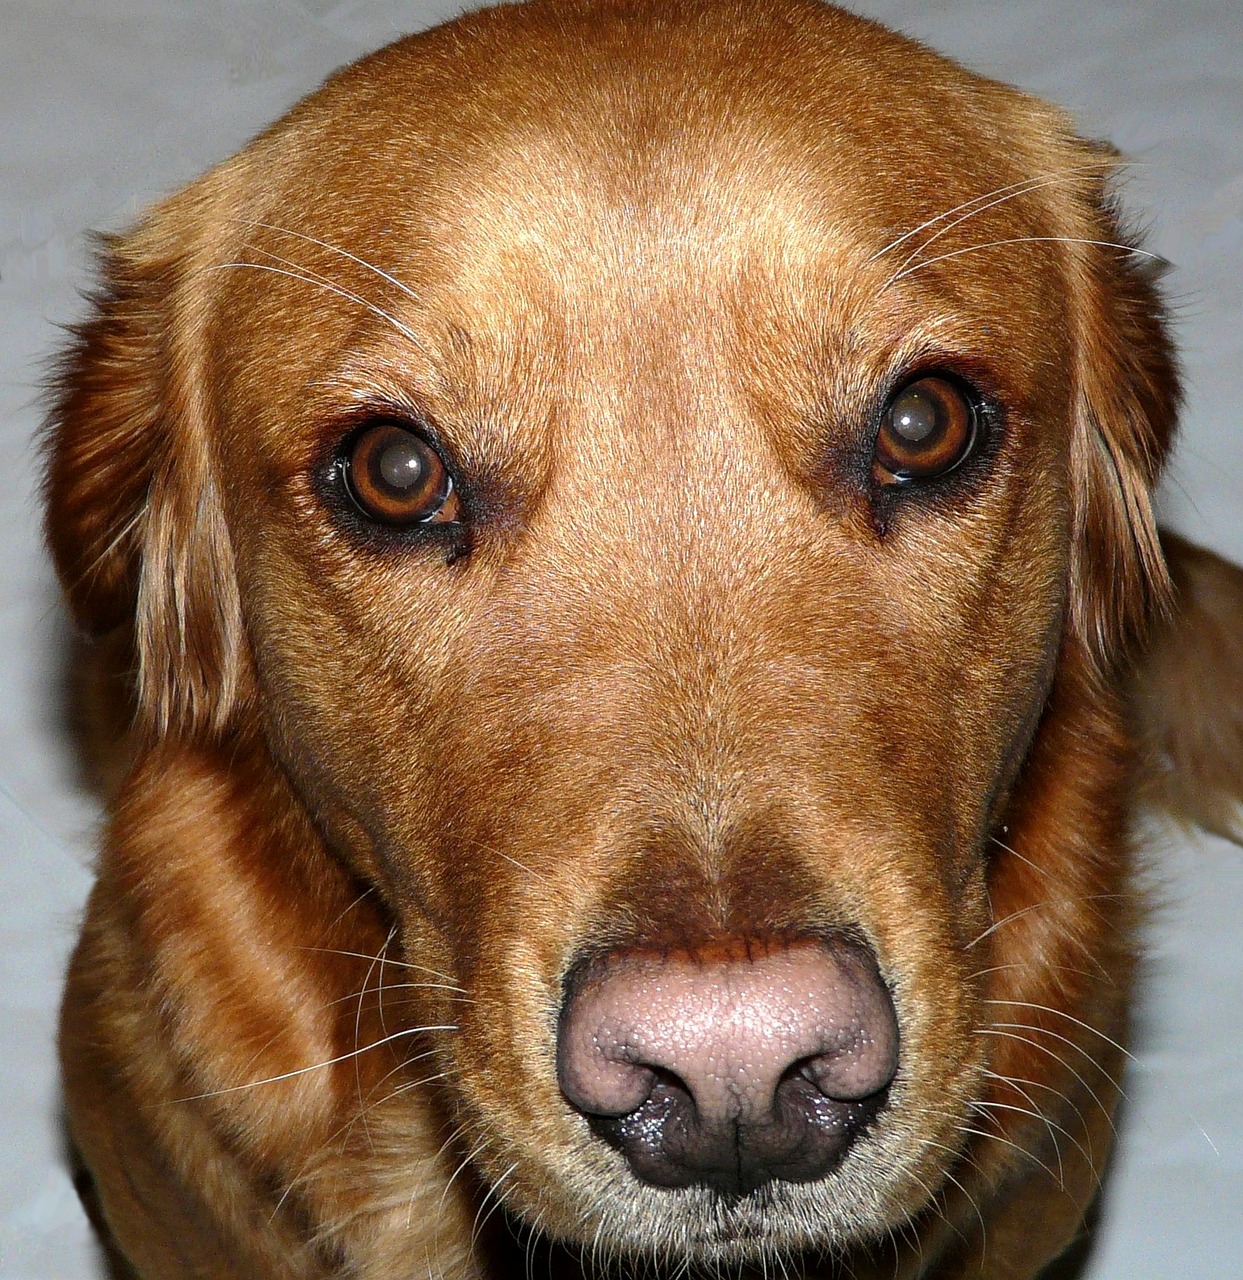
(133, 516)
(1128, 399)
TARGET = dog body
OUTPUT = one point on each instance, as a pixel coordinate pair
(629, 533)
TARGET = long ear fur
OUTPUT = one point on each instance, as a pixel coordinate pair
(1189, 695)
(133, 515)
(1128, 398)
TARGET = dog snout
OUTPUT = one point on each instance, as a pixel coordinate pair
(730, 1066)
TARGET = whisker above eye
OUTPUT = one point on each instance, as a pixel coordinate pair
(348, 294)
(332, 248)
(989, 200)
(995, 244)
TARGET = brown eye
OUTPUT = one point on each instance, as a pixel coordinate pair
(929, 427)
(396, 477)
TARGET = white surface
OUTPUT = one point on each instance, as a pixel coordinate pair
(106, 105)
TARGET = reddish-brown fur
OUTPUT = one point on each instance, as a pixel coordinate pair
(646, 270)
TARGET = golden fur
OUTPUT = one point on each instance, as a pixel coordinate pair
(682, 672)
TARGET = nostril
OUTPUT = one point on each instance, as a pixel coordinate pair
(733, 1067)
(594, 1072)
(864, 1059)
(805, 1086)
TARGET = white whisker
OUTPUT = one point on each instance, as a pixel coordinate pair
(494, 1194)
(332, 248)
(996, 244)
(1034, 1113)
(1045, 1031)
(358, 1022)
(1001, 196)
(1041, 965)
(1012, 190)
(1014, 853)
(1079, 1022)
(521, 866)
(321, 284)
(996, 1030)
(1014, 1146)
(997, 924)
(315, 1066)
(462, 1165)
(401, 964)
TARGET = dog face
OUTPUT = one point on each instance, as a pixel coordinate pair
(645, 472)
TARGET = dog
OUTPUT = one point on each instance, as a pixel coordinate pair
(627, 526)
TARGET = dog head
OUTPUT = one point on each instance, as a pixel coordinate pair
(643, 470)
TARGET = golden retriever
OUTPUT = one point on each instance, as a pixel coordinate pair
(629, 527)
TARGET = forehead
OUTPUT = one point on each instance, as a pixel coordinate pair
(554, 176)
(542, 126)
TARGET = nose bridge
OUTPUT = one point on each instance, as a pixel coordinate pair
(664, 689)
(648, 609)
(671, 506)
(667, 486)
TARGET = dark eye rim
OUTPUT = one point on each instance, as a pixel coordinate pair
(332, 483)
(345, 461)
(985, 419)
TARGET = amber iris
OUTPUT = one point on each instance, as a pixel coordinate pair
(396, 477)
(928, 428)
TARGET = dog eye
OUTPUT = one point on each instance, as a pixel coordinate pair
(396, 477)
(928, 428)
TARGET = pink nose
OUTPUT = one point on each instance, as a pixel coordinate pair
(729, 1066)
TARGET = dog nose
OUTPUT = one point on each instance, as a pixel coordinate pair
(729, 1066)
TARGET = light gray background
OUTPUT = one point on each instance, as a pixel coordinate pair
(105, 105)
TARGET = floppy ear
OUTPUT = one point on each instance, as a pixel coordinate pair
(1128, 398)
(133, 516)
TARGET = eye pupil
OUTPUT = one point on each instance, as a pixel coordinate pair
(400, 464)
(914, 417)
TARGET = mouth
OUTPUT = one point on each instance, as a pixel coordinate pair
(597, 1205)
(709, 1230)
(719, 1228)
